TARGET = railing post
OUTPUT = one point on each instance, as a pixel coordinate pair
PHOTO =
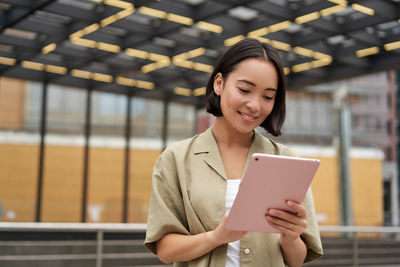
(99, 258)
(355, 250)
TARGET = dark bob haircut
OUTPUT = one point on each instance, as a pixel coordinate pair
(250, 48)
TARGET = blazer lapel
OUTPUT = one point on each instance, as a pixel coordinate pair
(207, 148)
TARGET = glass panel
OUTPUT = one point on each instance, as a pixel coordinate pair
(106, 158)
(64, 156)
(19, 139)
(181, 121)
(145, 146)
(147, 118)
(141, 168)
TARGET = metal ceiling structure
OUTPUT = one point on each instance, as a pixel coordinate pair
(166, 49)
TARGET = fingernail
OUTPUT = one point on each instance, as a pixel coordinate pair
(272, 212)
(290, 203)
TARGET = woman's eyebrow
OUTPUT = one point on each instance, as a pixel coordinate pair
(248, 82)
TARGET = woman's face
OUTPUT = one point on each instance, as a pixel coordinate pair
(247, 94)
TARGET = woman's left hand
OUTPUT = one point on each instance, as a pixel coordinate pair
(290, 225)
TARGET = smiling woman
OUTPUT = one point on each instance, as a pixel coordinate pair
(249, 91)
(245, 90)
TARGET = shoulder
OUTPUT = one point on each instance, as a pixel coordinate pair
(283, 149)
(178, 148)
(274, 147)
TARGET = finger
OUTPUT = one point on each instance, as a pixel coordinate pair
(285, 231)
(299, 209)
(288, 225)
(287, 216)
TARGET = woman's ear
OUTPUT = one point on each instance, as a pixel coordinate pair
(218, 84)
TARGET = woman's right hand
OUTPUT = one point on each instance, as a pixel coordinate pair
(221, 235)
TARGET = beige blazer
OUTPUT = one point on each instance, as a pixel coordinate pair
(188, 197)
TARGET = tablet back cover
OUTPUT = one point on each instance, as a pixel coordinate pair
(268, 182)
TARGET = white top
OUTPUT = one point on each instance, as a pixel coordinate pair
(233, 254)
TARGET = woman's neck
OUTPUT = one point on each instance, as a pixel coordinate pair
(226, 135)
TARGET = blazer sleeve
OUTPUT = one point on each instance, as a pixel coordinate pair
(166, 211)
(311, 236)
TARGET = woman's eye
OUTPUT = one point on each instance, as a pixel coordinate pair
(244, 90)
(268, 97)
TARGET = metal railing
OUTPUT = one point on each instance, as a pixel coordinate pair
(336, 252)
(98, 228)
(355, 246)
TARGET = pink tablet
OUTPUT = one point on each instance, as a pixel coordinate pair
(268, 182)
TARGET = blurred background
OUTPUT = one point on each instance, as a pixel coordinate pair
(91, 92)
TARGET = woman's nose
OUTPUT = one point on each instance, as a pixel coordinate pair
(254, 104)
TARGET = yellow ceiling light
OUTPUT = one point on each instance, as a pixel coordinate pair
(108, 47)
(32, 65)
(301, 67)
(303, 51)
(196, 52)
(202, 67)
(392, 46)
(319, 55)
(124, 13)
(76, 35)
(259, 32)
(125, 81)
(118, 3)
(262, 39)
(307, 18)
(157, 57)
(367, 51)
(190, 54)
(48, 48)
(56, 69)
(91, 28)
(149, 67)
(321, 62)
(199, 91)
(109, 20)
(179, 19)
(84, 42)
(209, 27)
(182, 63)
(182, 91)
(281, 45)
(102, 77)
(233, 40)
(279, 26)
(363, 9)
(153, 12)
(7, 61)
(145, 85)
(286, 70)
(81, 74)
(339, 2)
(332, 10)
(137, 53)
(154, 66)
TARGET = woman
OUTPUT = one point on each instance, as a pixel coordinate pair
(196, 180)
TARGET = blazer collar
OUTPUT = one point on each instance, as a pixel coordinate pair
(206, 145)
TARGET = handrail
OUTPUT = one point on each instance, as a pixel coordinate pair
(101, 228)
(360, 229)
(141, 227)
(80, 227)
